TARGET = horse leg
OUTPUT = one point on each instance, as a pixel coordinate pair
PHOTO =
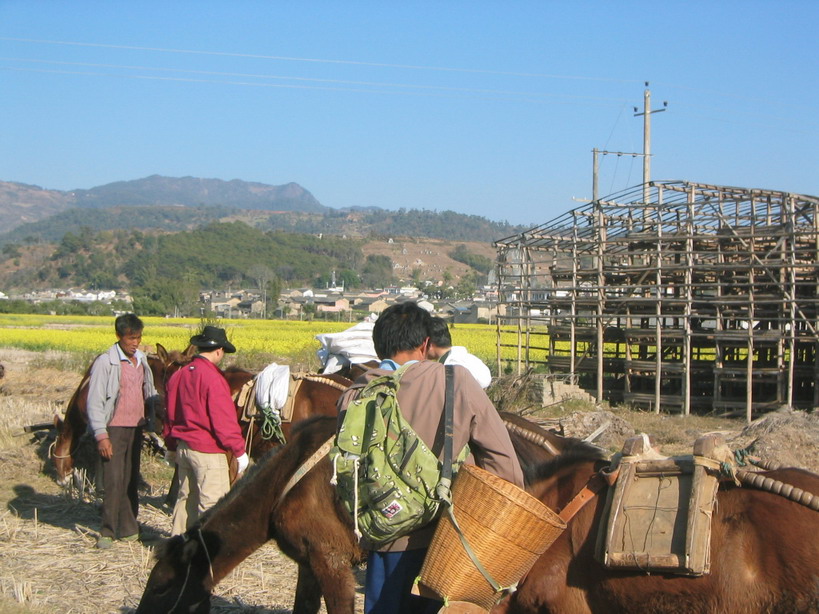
(308, 592)
(173, 490)
(335, 577)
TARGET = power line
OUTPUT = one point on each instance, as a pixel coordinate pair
(316, 60)
(533, 98)
(305, 79)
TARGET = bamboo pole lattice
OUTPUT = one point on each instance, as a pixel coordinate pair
(684, 297)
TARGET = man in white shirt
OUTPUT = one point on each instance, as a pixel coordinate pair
(440, 348)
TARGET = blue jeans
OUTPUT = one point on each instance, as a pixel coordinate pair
(390, 576)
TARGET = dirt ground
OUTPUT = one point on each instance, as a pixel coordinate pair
(429, 256)
(48, 562)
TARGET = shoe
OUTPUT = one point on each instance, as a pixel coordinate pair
(130, 538)
(104, 543)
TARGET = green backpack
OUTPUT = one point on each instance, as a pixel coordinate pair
(388, 479)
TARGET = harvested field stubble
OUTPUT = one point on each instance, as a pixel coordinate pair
(48, 562)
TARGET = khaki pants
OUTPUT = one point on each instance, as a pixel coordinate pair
(203, 479)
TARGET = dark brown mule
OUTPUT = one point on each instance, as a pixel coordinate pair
(74, 424)
(354, 370)
(316, 396)
(533, 443)
(764, 555)
(309, 524)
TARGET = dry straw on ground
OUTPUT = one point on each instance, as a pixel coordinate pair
(48, 562)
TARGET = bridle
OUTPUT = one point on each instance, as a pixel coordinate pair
(185, 539)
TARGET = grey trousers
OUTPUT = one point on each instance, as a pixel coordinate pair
(120, 479)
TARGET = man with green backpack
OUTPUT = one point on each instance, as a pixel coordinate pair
(410, 394)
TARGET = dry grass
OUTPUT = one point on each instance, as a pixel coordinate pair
(788, 438)
(48, 562)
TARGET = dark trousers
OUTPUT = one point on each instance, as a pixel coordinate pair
(120, 478)
(389, 579)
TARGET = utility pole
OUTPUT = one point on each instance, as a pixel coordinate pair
(647, 137)
(600, 224)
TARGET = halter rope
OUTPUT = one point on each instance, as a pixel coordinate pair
(322, 379)
(186, 538)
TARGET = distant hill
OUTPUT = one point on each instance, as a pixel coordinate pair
(195, 192)
(32, 214)
(21, 203)
(165, 272)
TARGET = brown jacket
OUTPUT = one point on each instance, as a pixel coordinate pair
(476, 422)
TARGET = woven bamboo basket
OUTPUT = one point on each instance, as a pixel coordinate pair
(507, 529)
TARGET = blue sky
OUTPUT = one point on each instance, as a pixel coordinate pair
(487, 108)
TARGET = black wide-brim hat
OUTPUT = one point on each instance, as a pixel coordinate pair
(213, 337)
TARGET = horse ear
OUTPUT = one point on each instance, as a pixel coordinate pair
(190, 351)
(162, 353)
(189, 549)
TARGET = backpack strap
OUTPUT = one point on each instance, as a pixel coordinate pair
(444, 488)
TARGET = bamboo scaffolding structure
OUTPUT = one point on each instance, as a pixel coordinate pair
(698, 298)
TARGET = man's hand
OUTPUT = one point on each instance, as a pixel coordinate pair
(105, 449)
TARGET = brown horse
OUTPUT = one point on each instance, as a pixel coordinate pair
(353, 370)
(309, 524)
(764, 555)
(72, 427)
(316, 396)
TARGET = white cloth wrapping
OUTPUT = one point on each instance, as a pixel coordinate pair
(459, 356)
(272, 386)
(351, 346)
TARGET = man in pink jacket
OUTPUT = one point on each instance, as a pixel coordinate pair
(201, 427)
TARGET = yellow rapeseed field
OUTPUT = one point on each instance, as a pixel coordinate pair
(274, 339)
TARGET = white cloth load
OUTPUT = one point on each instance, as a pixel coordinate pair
(351, 346)
(272, 386)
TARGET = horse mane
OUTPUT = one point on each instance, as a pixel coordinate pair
(293, 448)
(235, 369)
(576, 451)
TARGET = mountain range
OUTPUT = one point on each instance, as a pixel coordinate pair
(21, 203)
(35, 214)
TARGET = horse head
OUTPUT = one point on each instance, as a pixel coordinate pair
(69, 431)
(60, 453)
(163, 364)
(181, 579)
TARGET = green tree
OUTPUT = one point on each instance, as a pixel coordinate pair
(11, 250)
(349, 279)
(377, 271)
(267, 283)
(309, 310)
(480, 263)
(466, 287)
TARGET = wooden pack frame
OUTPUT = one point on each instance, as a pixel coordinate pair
(658, 514)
